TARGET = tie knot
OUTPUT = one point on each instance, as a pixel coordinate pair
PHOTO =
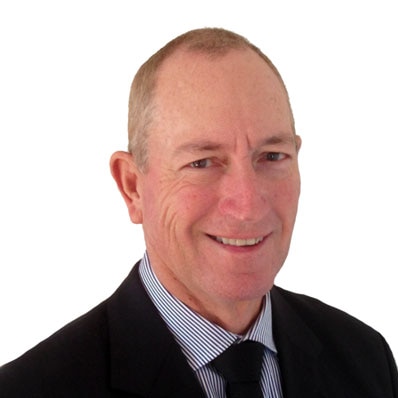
(241, 363)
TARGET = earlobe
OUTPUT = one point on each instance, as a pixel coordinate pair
(126, 175)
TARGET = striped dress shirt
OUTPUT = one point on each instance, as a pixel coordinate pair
(202, 341)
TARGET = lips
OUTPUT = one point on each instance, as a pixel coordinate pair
(238, 242)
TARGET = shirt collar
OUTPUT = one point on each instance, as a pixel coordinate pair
(200, 340)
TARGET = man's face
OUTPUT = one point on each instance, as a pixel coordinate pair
(219, 196)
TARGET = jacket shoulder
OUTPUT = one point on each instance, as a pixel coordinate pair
(330, 325)
(318, 313)
(347, 349)
(60, 360)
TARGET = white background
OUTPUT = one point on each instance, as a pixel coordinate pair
(66, 242)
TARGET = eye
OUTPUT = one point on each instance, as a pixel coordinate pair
(200, 164)
(274, 156)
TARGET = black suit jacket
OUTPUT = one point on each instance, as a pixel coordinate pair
(122, 348)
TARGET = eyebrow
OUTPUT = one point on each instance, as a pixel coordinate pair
(279, 139)
(207, 145)
(198, 146)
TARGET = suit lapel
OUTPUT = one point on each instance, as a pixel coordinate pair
(299, 351)
(145, 359)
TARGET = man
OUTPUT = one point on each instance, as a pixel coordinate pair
(212, 175)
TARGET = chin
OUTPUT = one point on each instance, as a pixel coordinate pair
(248, 290)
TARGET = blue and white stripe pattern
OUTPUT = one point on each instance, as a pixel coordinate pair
(202, 341)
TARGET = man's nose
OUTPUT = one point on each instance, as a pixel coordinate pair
(243, 195)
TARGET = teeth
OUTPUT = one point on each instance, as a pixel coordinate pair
(239, 242)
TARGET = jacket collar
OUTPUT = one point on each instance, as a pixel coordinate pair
(145, 359)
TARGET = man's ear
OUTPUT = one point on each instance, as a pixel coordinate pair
(298, 142)
(126, 174)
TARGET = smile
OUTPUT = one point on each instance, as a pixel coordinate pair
(239, 242)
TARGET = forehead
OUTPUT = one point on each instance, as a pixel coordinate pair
(234, 92)
(186, 69)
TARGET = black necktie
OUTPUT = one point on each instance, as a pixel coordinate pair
(240, 365)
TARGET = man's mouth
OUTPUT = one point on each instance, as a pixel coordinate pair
(238, 242)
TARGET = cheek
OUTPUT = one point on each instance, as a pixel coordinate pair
(158, 211)
(195, 202)
(174, 205)
(285, 199)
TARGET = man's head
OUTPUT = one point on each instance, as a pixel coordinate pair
(218, 187)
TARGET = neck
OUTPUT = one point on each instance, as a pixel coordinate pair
(235, 317)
